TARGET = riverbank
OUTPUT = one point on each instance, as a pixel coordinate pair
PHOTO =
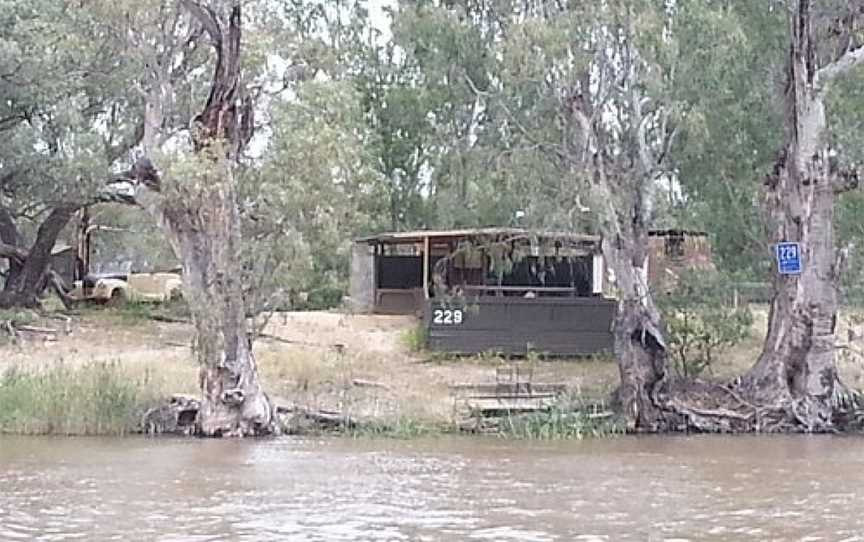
(99, 373)
(356, 367)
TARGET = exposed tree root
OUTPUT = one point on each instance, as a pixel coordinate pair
(706, 407)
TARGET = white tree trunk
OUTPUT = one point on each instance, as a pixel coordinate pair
(796, 369)
(200, 217)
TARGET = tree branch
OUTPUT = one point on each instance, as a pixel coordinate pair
(843, 65)
(13, 253)
(206, 18)
(515, 122)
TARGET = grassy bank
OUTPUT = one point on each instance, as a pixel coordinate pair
(99, 398)
(99, 377)
(109, 398)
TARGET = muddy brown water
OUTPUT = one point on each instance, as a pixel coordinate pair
(674, 488)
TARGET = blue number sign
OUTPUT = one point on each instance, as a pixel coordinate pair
(789, 258)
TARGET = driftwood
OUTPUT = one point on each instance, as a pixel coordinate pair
(276, 338)
(361, 383)
(177, 417)
(337, 347)
(35, 329)
(298, 419)
(67, 322)
(55, 281)
(169, 319)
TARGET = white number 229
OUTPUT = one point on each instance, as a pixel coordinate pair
(447, 317)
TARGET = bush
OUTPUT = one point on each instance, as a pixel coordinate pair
(701, 323)
(325, 297)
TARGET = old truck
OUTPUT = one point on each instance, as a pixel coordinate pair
(115, 289)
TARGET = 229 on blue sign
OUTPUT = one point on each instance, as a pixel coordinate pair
(788, 258)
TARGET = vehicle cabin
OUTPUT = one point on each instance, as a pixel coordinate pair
(503, 290)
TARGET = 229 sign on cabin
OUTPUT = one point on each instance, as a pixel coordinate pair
(447, 317)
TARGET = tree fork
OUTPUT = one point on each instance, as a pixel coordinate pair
(202, 223)
(29, 277)
(796, 370)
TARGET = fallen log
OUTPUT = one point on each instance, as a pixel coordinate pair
(35, 329)
(168, 319)
(361, 383)
(67, 322)
(299, 420)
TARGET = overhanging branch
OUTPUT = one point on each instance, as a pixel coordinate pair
(843, 65)
(19, 255)
(206, 18)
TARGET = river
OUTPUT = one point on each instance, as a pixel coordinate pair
(645, 488)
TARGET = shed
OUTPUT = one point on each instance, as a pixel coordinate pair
(506, 290)
(673, 251)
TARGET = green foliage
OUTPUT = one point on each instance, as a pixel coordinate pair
(729, 73)
(96, 399)
(701, 322)
(567, 419)
(403, 427)
(323, 297)
(311, 194)
(17, 317)
(415, 338)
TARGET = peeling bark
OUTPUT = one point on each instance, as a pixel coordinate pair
(640, 347)
(201, 219)
(796, 369)
(624, 195)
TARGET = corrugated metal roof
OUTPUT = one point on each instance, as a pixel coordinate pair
(419, 235)
(675, 231)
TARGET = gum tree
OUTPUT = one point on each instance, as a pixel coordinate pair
(796, 371)
(196, 203)
(62, 89)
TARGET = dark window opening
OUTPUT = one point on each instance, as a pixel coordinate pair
(674, 246)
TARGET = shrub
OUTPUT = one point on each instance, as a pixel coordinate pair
(701, 322)
(414, 339)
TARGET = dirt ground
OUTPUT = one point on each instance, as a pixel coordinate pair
(358, 365)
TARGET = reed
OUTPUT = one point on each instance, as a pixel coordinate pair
(566, 420)
(93, 399)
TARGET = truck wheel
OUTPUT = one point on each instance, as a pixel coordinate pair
(117, 299)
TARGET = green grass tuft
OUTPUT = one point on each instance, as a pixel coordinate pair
(414, 339)
(564, 420)
(403, 427)
(94, 399)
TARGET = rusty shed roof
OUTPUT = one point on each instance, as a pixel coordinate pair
(677, 232)
(408, 237)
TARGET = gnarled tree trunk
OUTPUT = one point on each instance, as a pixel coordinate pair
(208, 239)
(796, 370)
(200, 217)
(639, 344)
(622, 190)
(28, 271)
(641, 355)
